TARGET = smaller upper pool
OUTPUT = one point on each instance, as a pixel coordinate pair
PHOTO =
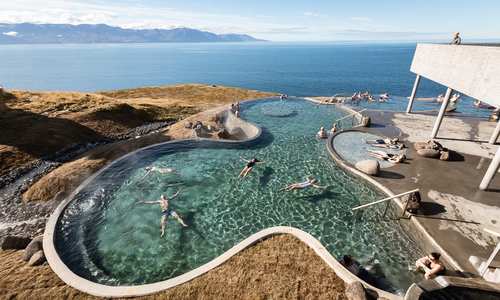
(352, 146)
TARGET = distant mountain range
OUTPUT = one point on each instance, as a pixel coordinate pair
(28, 33)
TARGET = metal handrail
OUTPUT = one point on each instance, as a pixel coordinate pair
(384, 200)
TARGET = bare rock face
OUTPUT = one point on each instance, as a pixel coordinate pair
(33, 247)
(355, 291)
(37, 259)
(369, 166)
(12, 242)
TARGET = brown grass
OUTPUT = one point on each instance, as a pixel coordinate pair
(281, 267)
(36, 124)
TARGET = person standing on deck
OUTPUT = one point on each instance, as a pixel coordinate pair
(457, 40)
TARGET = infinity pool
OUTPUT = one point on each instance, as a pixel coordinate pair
(107, 236)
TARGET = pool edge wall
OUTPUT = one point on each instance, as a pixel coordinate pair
(414, 227)
(100, 290)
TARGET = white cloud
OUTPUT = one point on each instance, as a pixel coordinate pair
(10, 33)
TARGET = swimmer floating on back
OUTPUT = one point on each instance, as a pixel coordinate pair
(166, 211)
(310, 182)
(249, 166)
(157, 169)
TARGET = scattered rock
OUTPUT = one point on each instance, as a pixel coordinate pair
(355, 291)
(34, 246)
(369, 166)
(431, 153)
(15, 242)
(37, 259)
(420, 145)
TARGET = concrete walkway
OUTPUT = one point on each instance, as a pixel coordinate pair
(455, 211)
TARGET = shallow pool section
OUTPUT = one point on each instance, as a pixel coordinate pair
(107, 236)
(353, 146)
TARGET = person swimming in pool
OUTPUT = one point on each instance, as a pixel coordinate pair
(157, 169)
(249, 166)
(166, 211)
(310, 182)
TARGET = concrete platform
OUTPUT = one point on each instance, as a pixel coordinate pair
(455, 210)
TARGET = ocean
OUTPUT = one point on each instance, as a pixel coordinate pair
(298, 69)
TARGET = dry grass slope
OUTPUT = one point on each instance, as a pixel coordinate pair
(280, 267)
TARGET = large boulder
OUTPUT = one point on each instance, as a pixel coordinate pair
(12, 242)
(431, 153)
(37, 259)
(33, 247)
(355, 291)
(369, 166)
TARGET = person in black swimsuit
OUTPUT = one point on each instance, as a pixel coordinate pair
(166, 211)
(249, 166)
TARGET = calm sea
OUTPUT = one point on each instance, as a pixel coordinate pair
(300, 69)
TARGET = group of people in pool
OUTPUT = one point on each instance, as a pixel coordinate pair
(309, 182)
(167, 211)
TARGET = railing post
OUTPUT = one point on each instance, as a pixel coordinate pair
(413, 94)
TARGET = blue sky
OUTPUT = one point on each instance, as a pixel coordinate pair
(291, 20)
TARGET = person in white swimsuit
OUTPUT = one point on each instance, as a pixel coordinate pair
(310, 182)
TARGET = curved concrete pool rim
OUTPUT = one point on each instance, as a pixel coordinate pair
(418, 225)
(100, 290)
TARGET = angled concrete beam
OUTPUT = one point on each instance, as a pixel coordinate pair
(442, 111)
(496, 133)
(413, 94)
(490, 173)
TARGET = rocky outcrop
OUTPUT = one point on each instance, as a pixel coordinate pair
(15, 242)
(369, 166)
(33, 247)
(37, 259)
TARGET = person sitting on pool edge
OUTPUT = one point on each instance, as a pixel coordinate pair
(431, 265)
(166, 211)
(249, 166)
(310, 182)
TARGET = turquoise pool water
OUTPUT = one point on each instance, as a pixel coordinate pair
(107, 236)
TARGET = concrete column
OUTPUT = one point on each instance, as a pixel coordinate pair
(442, 111)
(496, 133)
(413, 94)
(492, 170)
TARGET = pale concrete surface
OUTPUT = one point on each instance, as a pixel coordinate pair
(463, 135)
(455, 210)
(472, 70)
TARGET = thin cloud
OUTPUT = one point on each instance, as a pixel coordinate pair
(312, 14)
(361, 19)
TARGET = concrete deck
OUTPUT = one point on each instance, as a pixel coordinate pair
(455, 210)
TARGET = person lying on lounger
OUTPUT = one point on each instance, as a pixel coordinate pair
(310, 182)
(394, 158)
(166, 211)
(393, 143)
